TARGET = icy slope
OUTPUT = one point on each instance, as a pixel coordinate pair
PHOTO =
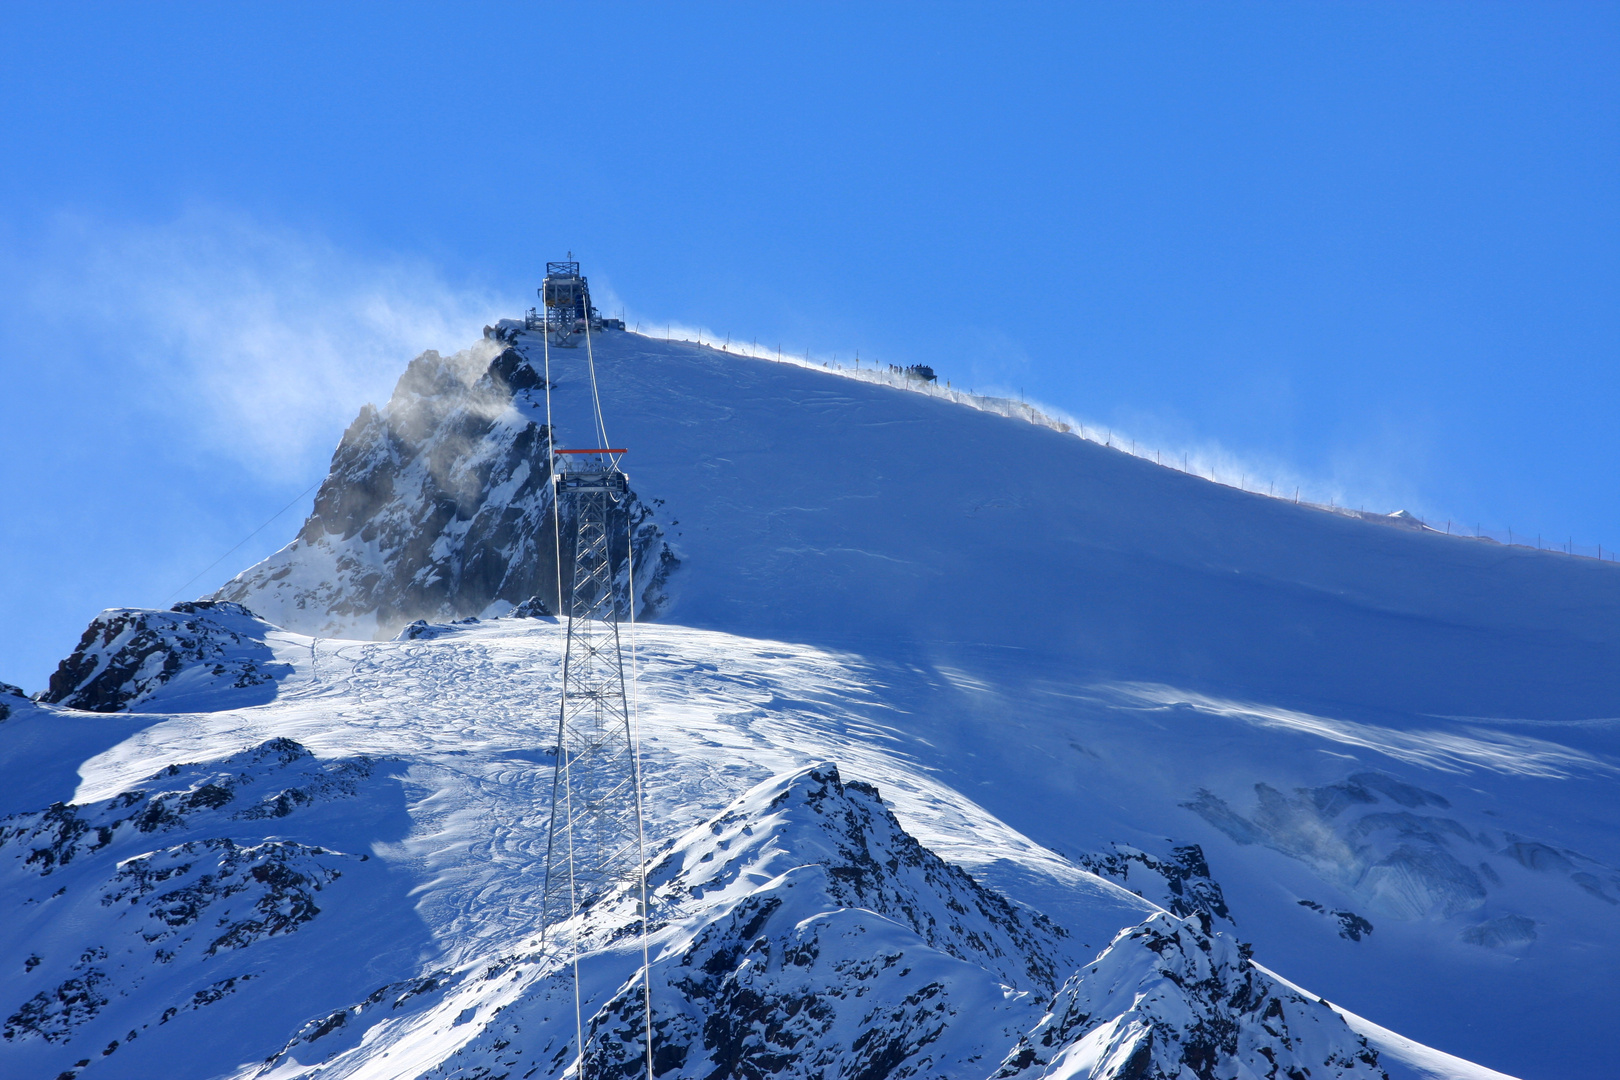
(1096, 648)
(369, 909)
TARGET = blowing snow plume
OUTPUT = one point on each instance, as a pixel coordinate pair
(264, 339)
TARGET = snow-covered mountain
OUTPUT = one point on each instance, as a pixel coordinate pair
(1154, 754)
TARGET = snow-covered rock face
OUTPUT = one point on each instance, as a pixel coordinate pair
(1180, 884)
(802, 932)
(9, 691)
(870, 863)
(127, 656)
(437, 507)
(159, 901)
(1168, 1000)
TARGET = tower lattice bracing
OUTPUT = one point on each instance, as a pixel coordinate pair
(595, 842)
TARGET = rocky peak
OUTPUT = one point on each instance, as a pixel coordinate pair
(437, 507)
(1172, 1000)
(815, 817)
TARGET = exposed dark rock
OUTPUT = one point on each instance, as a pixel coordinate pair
(1181, 883)
(9, 691)
(269, 781)
(154, 880)
(533, 608)
(514, 372)
(53, 1014)
(126, 655)
(819, 940)
(1352, 927)
(874, 864)
(1169, 999)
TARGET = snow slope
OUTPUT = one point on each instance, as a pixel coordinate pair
(343, 881)
(1395, 750)
(1095, 648)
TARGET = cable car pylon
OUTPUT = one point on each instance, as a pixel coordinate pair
(596, 843)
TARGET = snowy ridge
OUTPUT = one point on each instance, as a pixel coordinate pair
(799, 932)
(7, 691)
(1205, 463)
(802, 933)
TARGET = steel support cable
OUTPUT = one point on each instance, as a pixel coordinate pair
(635, 751)
(551, 456)
(573, 905)
(245, 539)
(556, 533)
(590, 363)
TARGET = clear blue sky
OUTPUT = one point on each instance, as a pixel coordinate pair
(1370, 248)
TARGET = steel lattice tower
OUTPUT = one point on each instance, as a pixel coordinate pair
(595, 844)
(595, 841)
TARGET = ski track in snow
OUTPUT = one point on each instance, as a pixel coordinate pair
(470, 713)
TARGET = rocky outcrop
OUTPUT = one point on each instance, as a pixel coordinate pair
(166, 884)
(129, 655)
(1170, 1000)
(1180, 882)
(808, 935)
(439, 507)
(870, 863)
(269, 781)
(9, 691)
